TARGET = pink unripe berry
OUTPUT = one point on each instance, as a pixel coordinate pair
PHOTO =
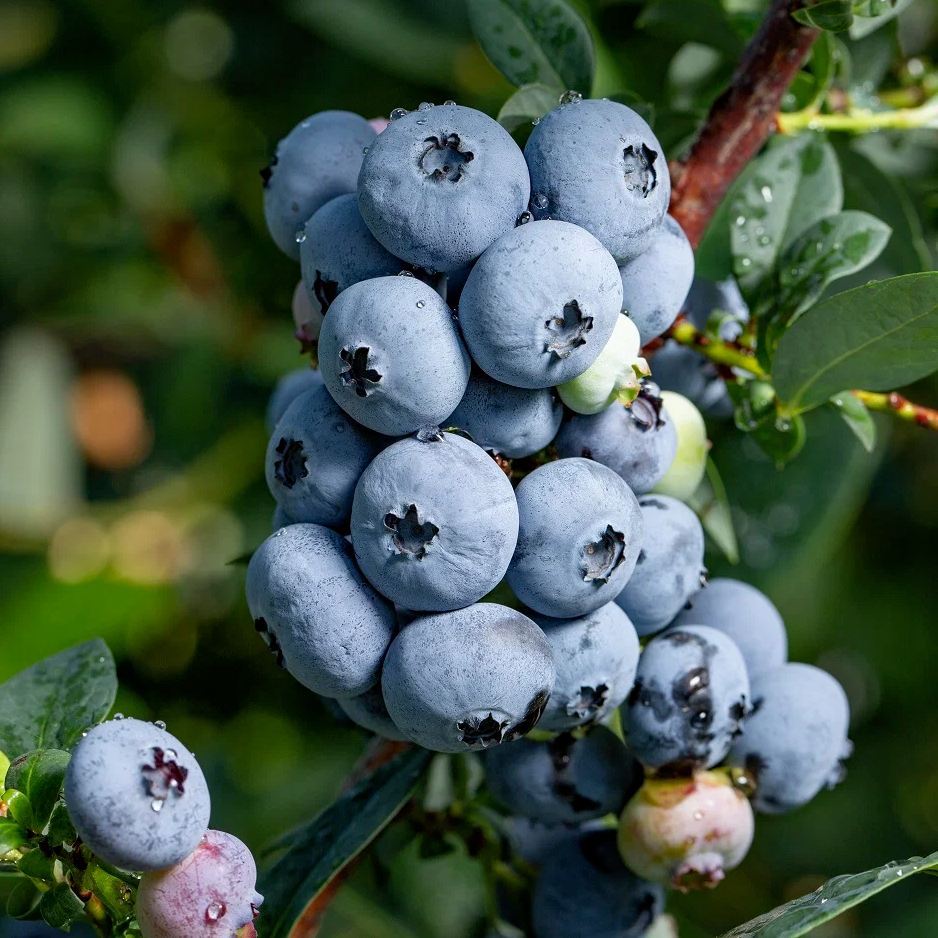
(686, 832)
(379, 123)
(210, 894)
(306, 318)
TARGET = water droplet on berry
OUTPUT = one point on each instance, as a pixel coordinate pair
(398, 113)
(740, 221)
(698, 815)
(449, 102)
(420, 304)
(405, 273)
(160, 724)
(157, 805)
(365, 151)
(536, 121)
(215, 911)
(524, 218)
(422, 121)
(539, 200)
(424, 106)
(301, 236)
(118, 716)
(571, 97)
(767, 193)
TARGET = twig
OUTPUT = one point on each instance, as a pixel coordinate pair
(729, 354)
(896, 405)
(741, 119)
(861, 120)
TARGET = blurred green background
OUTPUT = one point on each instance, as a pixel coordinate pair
(145, 317)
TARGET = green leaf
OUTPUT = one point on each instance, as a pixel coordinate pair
(712, 506)
(834, 897)
(12, 836)
(526, 105)
(878, 337)
(39, 775)
(18, 808)
(61, 830)
(863, 24)
(856, 416)
(320, 850)
(780, 437)
(795, 183)
(52, 703)
(36, 865)
(701, 21)
(60, 906)
(116, 896)
(824, 59)
(832, 15)
(23, 900)
(873, 7)
(530, 41)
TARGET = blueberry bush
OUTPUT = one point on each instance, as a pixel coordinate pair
(561, 357)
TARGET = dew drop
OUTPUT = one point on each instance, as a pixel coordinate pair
(524, 218)
(170, 755)
(118, 716)
(157, 805)
(698, 815)
(539, 200)
(420, 304)
(215, 911)
(301, 236)
(764, 240)
(365, 151)
(740, 221)
(160, 724)
(424, 106)
(406, 273)
(422, 121)
(449, 102)
(398, 113)
(766, 193)
(536, 121)
(746, 262)
(571, 97)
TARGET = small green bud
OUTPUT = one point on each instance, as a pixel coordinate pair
(690, 462)
(613, 376)
(4, 765)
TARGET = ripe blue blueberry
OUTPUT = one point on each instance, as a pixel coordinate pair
(540, 305)
(339, 250)
(586, 891)
(467, 680)
(708, 296)
(315, 457)
(434, 522)
(579, 536)
(136, 795)
(796, 738)
(670, 568)
(368, 711)
(280, 520)
(566, 780)
(513, 422)
(596, 656)
(318, 615)
(747, 615)
(287, 390)
(598, 164)
(638, 441)
(690, 697)
(391, 355)
(438, 186)
(318, 160)
(655, 284)
(681, 369)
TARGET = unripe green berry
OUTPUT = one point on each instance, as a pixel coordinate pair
(690, 462)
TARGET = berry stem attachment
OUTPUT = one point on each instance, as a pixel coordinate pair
(894, 404)
(729, 354)
(861, 120)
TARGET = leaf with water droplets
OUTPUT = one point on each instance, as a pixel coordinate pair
(856, 416)
(39, 775)
(544, 41)
(833, 15)
(834, 897)
(869, 15)
(527, 104)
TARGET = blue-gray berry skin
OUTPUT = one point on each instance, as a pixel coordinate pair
(513, 422)
(596, 656)
(599, 165)
(391, 355)
(136, 795)
(466, 680)
(318, 615)
(540, 304)
(655, 284)
(796, 738)
(705, 296)
(315, 457)
(637, 442)
(280, 520)
(690, 697)
(747, 615)
(339, 250)
(670, 568)
(438, 186)
(586, 891)
(368, 711)
(579, 537)
(534, 841)
(318, 160)
(434, 522)
(287, 390)
(681, 369)
(565, 780)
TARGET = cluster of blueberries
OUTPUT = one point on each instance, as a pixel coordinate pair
(139, 801)
(482, 420)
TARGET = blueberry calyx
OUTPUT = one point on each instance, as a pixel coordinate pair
(640, 169)
(326, 291)
(601, 557)
(568, 331)
(589, 702)
(358, 375)
(444, 158)
(485, 732)
(291, 467)
(268, 171)
(165, 775)
(410, 536)
(645, 410)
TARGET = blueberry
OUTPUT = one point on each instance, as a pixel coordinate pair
(434, 522)
(467, 680)
(280, 520)
(513, 422)
(368, 711)
(579, 537)
(534, 841)
(686, 832)
(596, 656)
(670, 568)
(210, 894)
(614, 376)
(690, 697)
(655, 284)
(391, 355)
(440, 185)
(796, 738)
(586, 891)
(566, 780)
(598, 164)
(136, 795)
(287, 390)
(306, 318)
(318, 160)
(638, 441)
(315, 457)
(686, 471)
(707, 296)
(339, 250)
(747, 615)
(320, 617)
(540, 305)
(681, 369)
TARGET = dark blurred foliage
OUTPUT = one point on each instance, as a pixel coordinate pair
(145, 318)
